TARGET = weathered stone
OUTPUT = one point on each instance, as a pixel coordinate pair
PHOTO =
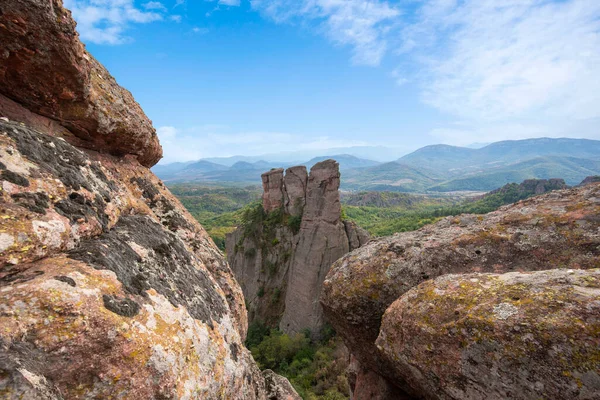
(278, 387)
(280, 267)
(555, 230)
(272, 182)
(295, 181)
(357, 236)
(95, 339)
(108, 286)
(322, 240)
(514, 335)
(590, 179)
(44, 67)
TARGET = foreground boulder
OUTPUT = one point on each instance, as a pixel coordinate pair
(515, 335)
(283, 252)
(44, 67)
(108, 287)
(555, 230)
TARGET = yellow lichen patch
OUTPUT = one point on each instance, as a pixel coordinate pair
(159, 344)
(518, 317)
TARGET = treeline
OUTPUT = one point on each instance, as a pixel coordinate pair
(221, 210)
(387, 221)
(218, 209)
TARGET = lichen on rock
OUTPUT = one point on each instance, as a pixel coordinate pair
(514, 335)
(108, 287)
(558, 230)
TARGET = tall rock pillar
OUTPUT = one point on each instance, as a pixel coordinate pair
(322, 241)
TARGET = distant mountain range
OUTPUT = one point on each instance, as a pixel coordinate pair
(244, 171)
(436, 168)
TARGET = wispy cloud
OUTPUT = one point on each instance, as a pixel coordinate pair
(105, 21)
(234, 3)
(231, 3)
(482, 60)
(200, 31)
(154, 5)
(361, 24)
(509, 59)
(219, 140)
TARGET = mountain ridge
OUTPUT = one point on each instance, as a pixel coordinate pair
(437, 168)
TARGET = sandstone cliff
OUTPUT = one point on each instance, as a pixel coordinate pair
(498, 331)
(284, 250)
(108, 287)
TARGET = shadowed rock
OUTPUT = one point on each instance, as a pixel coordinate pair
(278, 387)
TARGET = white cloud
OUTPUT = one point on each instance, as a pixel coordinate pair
(154, 5)
(361, 24)
(219, 140)
(231, 3)
(501, 60)
(105, 21)
(235, 3)
(515, 62)
(166, 133)
(176, 18)
(200, 31)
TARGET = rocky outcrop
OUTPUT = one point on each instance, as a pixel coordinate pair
(590, 179)
(279, 388)
(322, 240)
(295, 182)
(45, 68)
(108, 287)
(272, 189)
(283, 252)
(497, 336)
(555, 230)
(532, 187)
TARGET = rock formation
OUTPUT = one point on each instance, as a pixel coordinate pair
(532, 186)
(590, 179)
(108, 287)
(485, 334)
(497, 336)
(45, 68)
(282, 256)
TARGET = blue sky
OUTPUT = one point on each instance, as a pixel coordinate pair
(221, 78)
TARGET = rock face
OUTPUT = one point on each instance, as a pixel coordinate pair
(281, 259)
(44, 67)
(498, 336)
(272, 190)
(108, 287)
(590, 179)
(279, 388)
(558, 230)
(533, 186)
